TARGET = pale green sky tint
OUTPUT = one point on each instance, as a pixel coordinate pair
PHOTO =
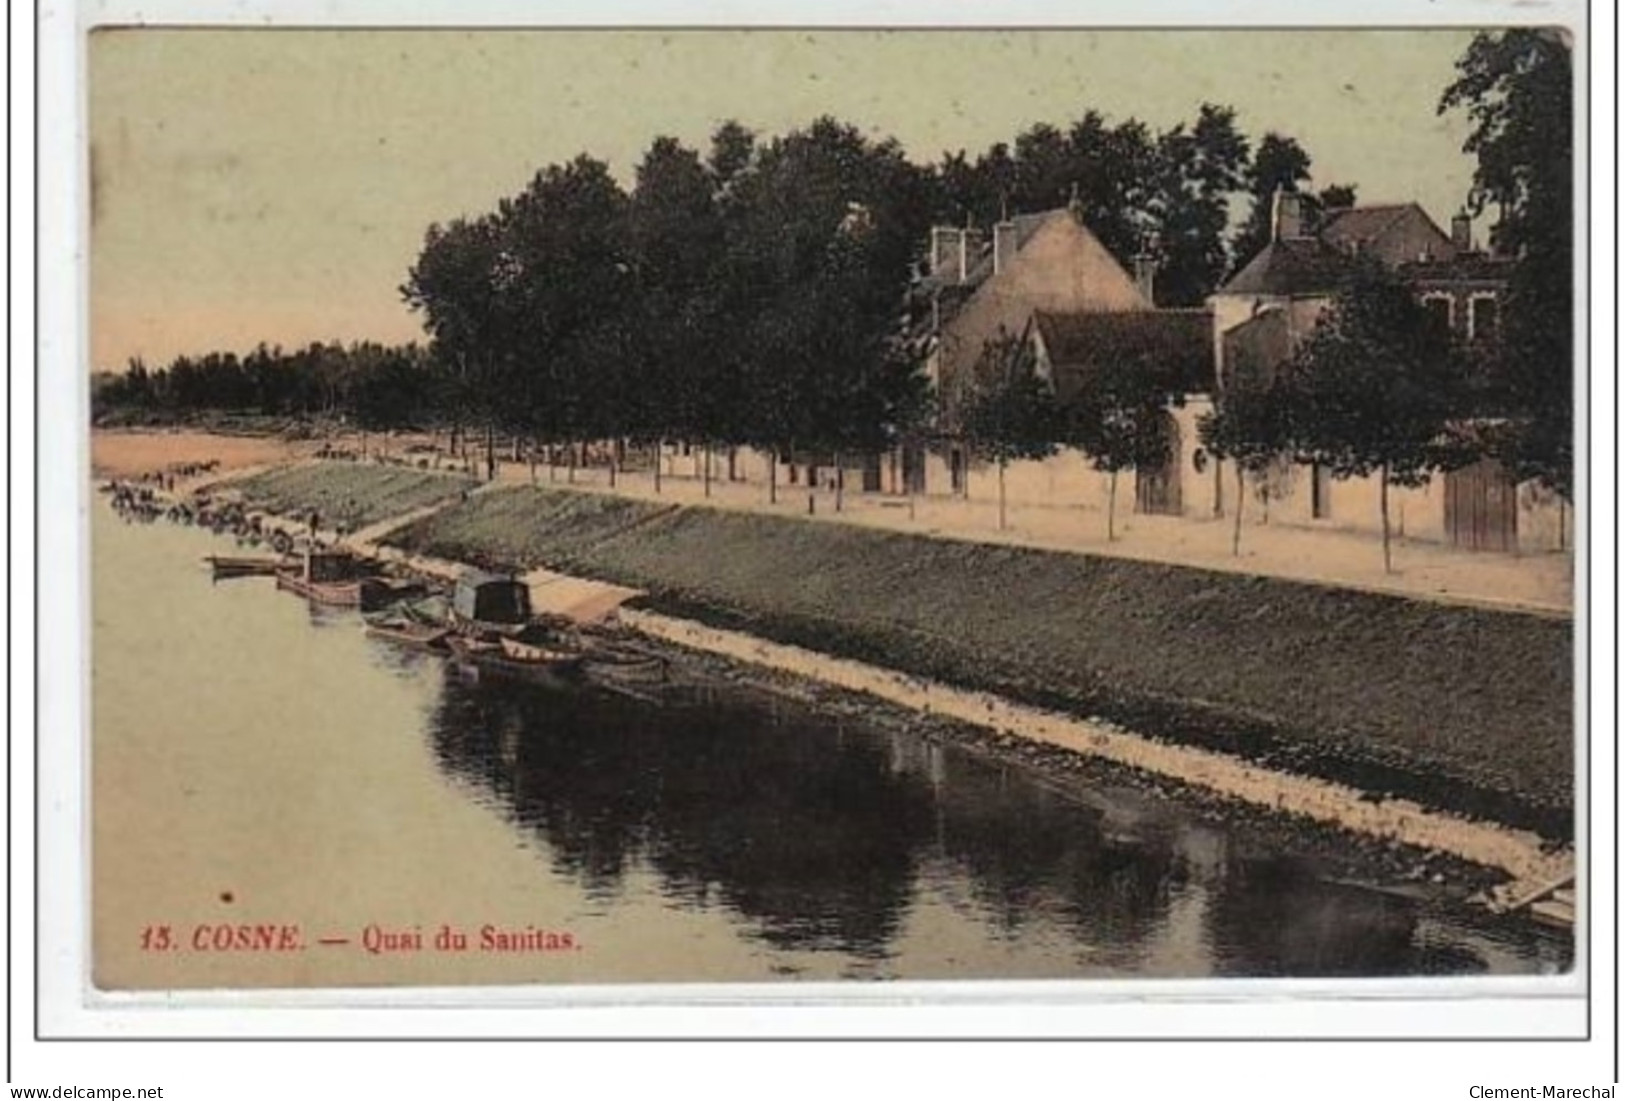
(275, 185)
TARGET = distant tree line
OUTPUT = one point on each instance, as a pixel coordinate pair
(366, 384)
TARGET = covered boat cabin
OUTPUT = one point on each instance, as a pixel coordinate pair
(328, 566)
(491, 598)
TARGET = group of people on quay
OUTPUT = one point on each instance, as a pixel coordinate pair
(142, 488)
(152, 496)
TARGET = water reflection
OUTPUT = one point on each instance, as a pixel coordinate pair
(824, 835)
(729, 834)
(1273, 918)
(804, 831)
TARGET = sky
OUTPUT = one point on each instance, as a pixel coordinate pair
(275, 185)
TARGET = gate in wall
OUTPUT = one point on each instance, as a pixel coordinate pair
(1481, 507)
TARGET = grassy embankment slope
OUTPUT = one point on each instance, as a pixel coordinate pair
(1463, 709)
(349, 495)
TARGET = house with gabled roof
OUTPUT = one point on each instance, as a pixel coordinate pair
(1263, 312)
(1047, 278)
(1395, 233)
(977, 286)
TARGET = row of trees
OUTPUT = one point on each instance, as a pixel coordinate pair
(1116, 414)
(367, 384)
(750, 295)
(1378, 388)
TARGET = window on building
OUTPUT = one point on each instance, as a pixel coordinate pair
(1484, 319)
(956, 469)
(1441, 309)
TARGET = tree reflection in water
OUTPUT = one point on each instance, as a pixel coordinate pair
(1273, 918)
(788, 823)
(823, 833)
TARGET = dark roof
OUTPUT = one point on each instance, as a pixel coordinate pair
(1291, 265)
(1340, 228)
(474, 579)
(491, 597)
(1178, 341)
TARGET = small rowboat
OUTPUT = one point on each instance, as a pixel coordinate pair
(226, 566)
(471, 647)
(409, 632)
(506, 655)
(514, 650)
(628, 666)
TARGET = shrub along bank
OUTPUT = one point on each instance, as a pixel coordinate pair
(1460, 708)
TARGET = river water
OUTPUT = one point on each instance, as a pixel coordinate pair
(279, 800)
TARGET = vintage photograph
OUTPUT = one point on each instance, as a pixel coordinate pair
(770, 506)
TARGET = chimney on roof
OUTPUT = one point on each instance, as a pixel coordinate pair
(947, 244)
(1004, 245)
(1461, 232)
(970, 251)
(1286, 217)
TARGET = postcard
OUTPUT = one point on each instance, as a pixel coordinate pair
(830, 507)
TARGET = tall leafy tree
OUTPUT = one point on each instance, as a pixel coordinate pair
(1251, 426)
(1195, 171)
(961, 192)
(462, 283)
(679, 316)
(980, 191)
(567, 275)
(1111, 166)
(1046, 169)
(1279, 163)
(818, 255)
(1517, 88)
(733, 148)
(1375, 388)
(1119, 418)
